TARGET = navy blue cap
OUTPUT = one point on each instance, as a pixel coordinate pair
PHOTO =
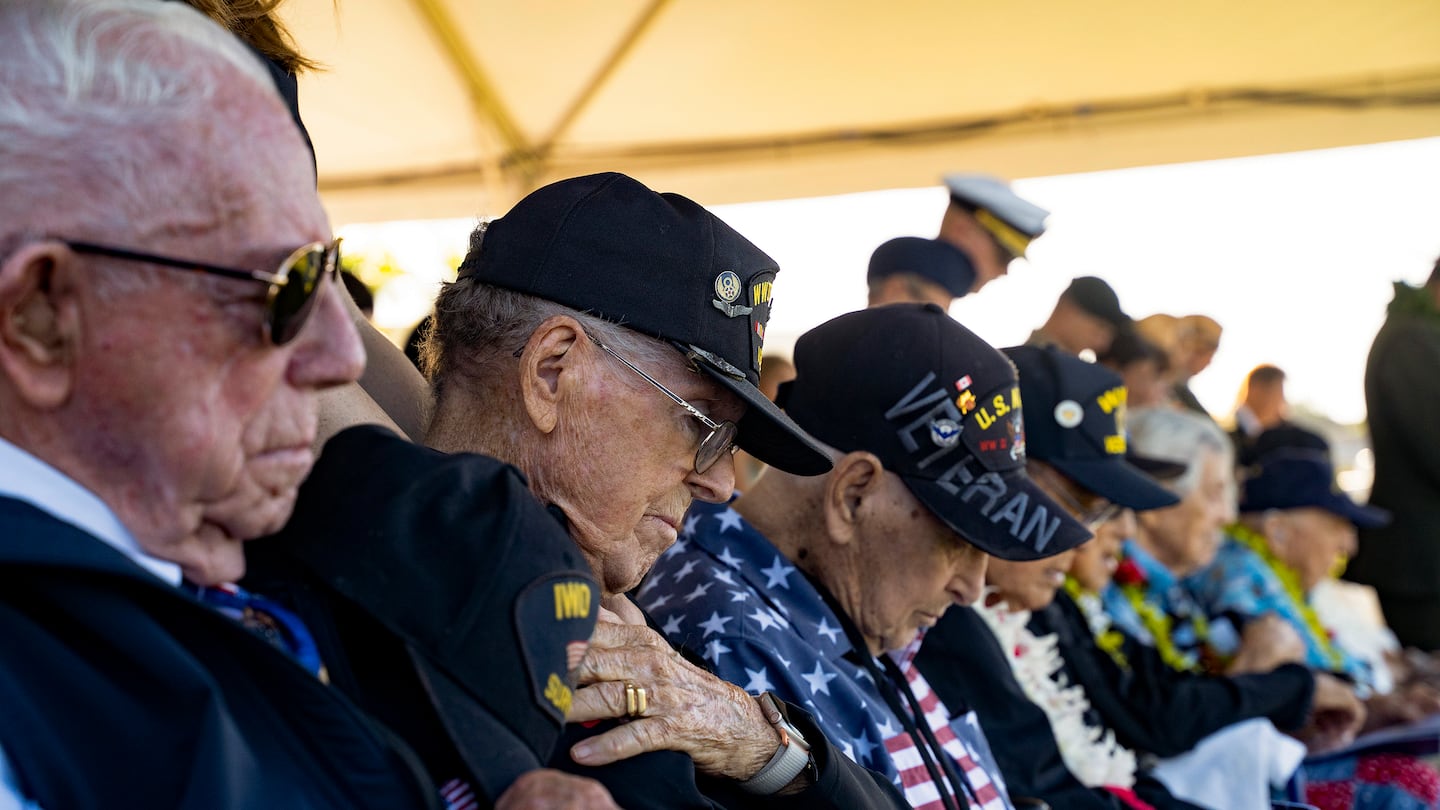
(1096, 297)
(659, 264)
(940, 408)
(1297, 478)
(932, 259)
(1077, 425)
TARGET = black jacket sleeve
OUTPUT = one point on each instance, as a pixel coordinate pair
(966, 667)
(1155, 709)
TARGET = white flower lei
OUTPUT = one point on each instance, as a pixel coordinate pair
(1091, 754)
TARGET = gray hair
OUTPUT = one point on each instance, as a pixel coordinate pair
(1178, 437)
(478, 328)
(84, 87)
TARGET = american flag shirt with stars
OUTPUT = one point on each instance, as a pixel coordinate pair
(726, 593)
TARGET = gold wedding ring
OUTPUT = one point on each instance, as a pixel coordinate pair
(635, 700)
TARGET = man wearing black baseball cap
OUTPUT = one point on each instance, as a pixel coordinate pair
(606, 340)
(990, 223)
(1075, 437)
(1087, 316)
(804, 587)
(909, 269)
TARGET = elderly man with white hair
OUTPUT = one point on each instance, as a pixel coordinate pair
(168, 316)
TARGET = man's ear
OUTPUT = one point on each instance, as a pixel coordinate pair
(39, 323)
(856, 477)
(1275, 527)
(549, 369)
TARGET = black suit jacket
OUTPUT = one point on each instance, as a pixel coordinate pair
(117, 690)
(1154, 709)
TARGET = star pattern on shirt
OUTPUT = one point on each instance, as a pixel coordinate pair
(765, 618)
(714, 650)
(729, 558)
(777, 573)
(759, 681)
(738, 596)
(722, 575)
(729, 519)
(657, 602)
(685, 570)
(864, 746)
(698, 592)
(716, 623)
(692, 522)
(672, 625)
(678, 547)
(824, 629)
(819, 680)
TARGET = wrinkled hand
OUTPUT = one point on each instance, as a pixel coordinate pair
(554, 790)
(1336, 715)
(1405, 705)
(716, 723)
(1266, 643)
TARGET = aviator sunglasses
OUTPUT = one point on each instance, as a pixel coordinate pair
(294, 286)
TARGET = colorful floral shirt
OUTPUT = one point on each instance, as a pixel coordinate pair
(1147, 601)
(1242, 584)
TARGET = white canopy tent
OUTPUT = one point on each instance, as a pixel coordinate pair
(445, 108)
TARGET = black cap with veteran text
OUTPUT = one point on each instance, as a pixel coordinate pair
(659, 264)
(941, 409)
(1077, 425)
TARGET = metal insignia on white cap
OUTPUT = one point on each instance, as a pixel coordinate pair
(1069, 414)
(944, 432)
(727, 286)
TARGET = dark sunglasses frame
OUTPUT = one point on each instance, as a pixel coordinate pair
(292, 294)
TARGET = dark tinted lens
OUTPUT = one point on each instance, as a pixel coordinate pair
(714, 446)
(296, 298)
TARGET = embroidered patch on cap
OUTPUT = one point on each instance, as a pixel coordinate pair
(1069, 414)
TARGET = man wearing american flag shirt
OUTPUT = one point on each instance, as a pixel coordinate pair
(816, 589)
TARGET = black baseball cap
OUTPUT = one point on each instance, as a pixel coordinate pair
(932, 259)
(1096, 297)
(1077, 425)
(1296, 478)
(659, 264)
(450, 562)
(941, 409)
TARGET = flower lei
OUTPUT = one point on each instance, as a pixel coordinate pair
(1290, 580)
(1092, 754)
(1102, 628)
(1157, 623)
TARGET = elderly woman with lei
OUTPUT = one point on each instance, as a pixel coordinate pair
(1185, 540)
(1295, 526)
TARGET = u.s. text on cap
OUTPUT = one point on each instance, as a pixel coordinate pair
(941, 409)
(659, 264)
(1077, 425)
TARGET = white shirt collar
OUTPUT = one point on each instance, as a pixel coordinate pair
(27, 478)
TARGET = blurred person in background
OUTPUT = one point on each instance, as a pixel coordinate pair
(1143, 366)
(909, 269)
(1260, 405)
(990, 224)
(1402, 560)
(1087, 318)
(1199, 339)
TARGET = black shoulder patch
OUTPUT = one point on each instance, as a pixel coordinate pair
(554, 617)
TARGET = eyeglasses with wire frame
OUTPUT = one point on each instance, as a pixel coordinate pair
(1097, 513)
(294, 286)
(722, 434)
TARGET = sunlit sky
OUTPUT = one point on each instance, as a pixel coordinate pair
(1293, 254)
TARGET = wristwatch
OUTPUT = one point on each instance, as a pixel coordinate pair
(792, 757)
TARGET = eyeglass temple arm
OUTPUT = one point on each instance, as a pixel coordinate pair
(666, 391)
(165, 261)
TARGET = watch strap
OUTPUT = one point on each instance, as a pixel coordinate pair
(789, 760)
